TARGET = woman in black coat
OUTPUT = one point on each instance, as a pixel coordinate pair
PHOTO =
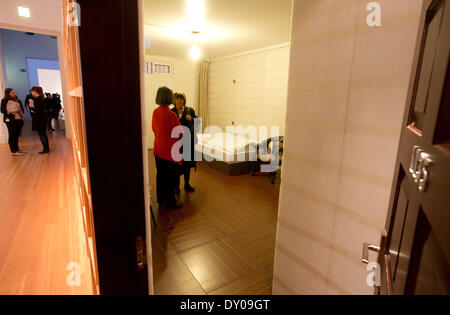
(40, 116)
(187, 116)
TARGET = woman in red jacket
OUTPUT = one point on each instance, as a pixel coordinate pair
(168, 158)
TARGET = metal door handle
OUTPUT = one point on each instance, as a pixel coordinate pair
(423, 177)
(423, 184)
(414, 166)
(366, 248)
(420, 161)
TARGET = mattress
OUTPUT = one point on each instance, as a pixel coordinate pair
(226, 147)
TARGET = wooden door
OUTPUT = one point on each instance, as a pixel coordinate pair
(415, 252)
(106, 105)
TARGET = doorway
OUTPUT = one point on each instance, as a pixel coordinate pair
(320, 229)
(223, 239)
(32, 59)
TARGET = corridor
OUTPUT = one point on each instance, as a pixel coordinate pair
(41, 224)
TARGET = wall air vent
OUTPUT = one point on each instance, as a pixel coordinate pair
(158, 68)
(162, 68)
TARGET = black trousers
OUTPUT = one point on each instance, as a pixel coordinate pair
(186, 171)
(44, 139)
(14, 130)
(166, 177)
(49, 123)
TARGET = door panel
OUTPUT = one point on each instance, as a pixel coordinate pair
(415, 254)
(430, 39)
(399, 224)
(430, 269)
(442, 135)
(111, 109)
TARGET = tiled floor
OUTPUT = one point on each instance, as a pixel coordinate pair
(222, 241)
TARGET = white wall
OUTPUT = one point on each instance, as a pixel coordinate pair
(347, 93)
(258, 96)
(50, 80)
(184, 80)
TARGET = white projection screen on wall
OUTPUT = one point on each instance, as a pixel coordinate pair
(50, 81)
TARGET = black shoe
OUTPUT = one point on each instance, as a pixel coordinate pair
(177, 206)
(177, 191)
(189, 189)
(45, 152)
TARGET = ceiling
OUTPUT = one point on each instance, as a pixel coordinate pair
(46, 16)
(227, 26)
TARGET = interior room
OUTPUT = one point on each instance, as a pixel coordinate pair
(320, 132)
(232, 65)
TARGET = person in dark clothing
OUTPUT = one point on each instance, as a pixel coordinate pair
(50, 113)
(40, 117)
(56, 106)
(164, 122)
(187, 116)
(15, 98)
(12, 110)
(28, 98)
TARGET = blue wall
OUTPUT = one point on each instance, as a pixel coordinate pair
(34, 65)
(17, 49)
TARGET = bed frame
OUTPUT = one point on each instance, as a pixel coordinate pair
(231, 169)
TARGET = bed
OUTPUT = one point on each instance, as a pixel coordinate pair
(226, 152)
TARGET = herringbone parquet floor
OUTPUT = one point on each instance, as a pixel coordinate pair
(222, 241)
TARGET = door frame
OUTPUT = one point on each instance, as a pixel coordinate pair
(111, 54)
(145, 125)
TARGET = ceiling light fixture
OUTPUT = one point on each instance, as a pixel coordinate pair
(24, 12)
(195, 14)
(195, 53)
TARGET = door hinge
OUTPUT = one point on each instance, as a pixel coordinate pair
(141, 253)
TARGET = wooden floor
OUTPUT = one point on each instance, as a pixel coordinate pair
(222, 241)
(41, 224)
